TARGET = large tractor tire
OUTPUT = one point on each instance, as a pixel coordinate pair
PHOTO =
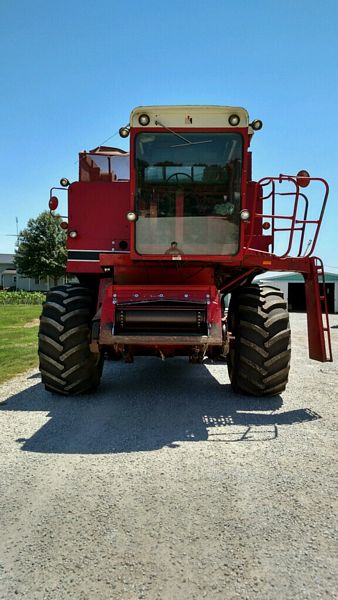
(259, 356)
(66, 363)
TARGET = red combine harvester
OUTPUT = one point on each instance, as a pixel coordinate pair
(159, 237)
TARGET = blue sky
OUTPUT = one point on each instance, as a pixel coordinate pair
(72, 71)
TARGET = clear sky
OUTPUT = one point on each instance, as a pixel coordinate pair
(71, 72)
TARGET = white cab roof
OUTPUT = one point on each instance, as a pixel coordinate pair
(189, 116)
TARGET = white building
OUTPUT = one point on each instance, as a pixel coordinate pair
(292, 286)
(10, 279)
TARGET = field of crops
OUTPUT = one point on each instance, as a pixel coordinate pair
(21, 297)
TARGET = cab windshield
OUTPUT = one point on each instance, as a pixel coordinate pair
(188, 193)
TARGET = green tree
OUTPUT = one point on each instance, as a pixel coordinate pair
(41, 250)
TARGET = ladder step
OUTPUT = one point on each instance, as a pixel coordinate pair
(317, 313)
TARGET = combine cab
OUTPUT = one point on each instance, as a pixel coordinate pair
(158, 237)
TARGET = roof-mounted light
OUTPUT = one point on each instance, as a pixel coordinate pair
(256, 125)
(64, 182)
(124, 132)
(144, 119)
(234, 120)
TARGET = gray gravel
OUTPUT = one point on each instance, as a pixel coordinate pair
(164, 484)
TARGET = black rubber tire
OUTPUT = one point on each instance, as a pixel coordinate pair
(66, 363)
(259, 356)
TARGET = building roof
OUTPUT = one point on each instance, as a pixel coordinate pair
(294, 277)
(7, 259)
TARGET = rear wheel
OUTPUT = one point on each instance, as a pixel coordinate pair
(259, 356)
(66, 363)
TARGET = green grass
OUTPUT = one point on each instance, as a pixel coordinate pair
(18, 344)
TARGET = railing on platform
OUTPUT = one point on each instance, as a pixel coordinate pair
(281, 203)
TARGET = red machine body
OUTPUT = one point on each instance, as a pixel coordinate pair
(163, 233)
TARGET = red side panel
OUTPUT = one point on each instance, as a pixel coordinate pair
(97, 212)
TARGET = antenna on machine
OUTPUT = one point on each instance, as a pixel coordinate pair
(17, 231)
(307, 247)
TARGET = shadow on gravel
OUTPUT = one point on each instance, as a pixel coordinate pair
(150, 405)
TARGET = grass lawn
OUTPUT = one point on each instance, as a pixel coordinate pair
(18, 339)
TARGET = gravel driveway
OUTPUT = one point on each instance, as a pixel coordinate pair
(166, 485)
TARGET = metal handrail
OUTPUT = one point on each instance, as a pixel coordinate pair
(296, 224)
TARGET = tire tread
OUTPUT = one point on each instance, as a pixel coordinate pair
(66, 363)
(259, 359)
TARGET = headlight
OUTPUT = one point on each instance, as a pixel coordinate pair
(124, 132)
(256, 124)
(131, 216)
(234, 120)
(245, 214)
(144, 119)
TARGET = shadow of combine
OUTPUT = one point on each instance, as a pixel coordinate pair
(147, 406)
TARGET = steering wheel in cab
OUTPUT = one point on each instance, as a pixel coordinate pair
(177, 177)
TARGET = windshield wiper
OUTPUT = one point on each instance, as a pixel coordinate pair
(187, 142)
(191, 143)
